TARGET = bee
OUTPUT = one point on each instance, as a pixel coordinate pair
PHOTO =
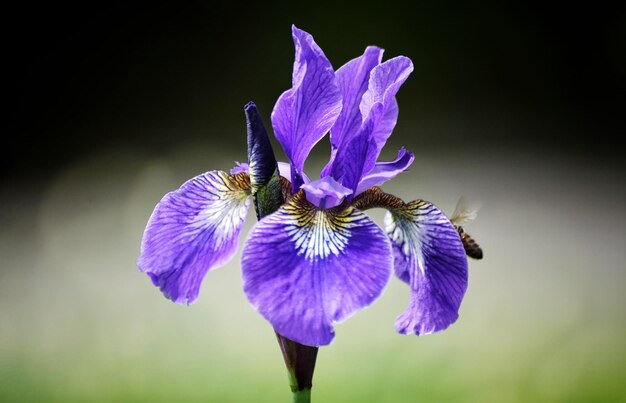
(462, 215)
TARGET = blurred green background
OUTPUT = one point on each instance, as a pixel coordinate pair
(518, 106)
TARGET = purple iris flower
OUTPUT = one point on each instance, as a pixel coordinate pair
(318, 259)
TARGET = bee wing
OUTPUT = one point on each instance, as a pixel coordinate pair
(464, 211)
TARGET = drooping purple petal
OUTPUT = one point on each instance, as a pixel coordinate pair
(384, 171)
(305, 268)
(325, 192)
(429, 256)
(303, 114)
(353, 78)
(193, 230)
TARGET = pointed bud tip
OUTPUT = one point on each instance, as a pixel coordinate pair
(260, 155)
(250, 106)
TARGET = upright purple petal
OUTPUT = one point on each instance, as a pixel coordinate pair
(429, 256)
(303, 114)
(305, 268)
(353, 78)
(357, 157)
(384, 171)
(349, 161)
(385, 81)
(193, 230)
(385, 125)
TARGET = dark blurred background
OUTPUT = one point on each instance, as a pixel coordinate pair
(495, 74)
(518, 105)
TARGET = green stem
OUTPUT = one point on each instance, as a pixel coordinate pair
(302, 396)
(300, 363)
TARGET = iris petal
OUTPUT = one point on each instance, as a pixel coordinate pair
(305, 268)
(349, 163)
(303, 114)
(353, 78)
(385, 82)
(325, 192)
(357, 157)
(429, 256)
(384, 171)
(193, 230)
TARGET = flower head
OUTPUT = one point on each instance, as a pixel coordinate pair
(315, 258)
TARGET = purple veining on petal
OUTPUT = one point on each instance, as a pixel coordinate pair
(305, 268)
(348, 165)
(193, 230)
(357, 157)
(325, 192)
(353, 78)
(385, 82)
(303, 114)
(429, 256)
(384, 171)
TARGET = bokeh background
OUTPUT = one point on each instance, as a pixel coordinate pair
(520, 106)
